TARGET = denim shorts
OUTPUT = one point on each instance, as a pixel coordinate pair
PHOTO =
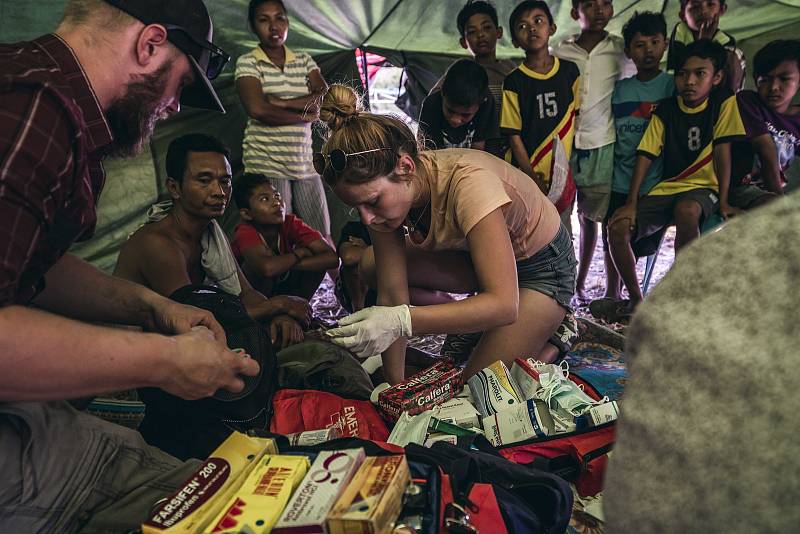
(551, 271)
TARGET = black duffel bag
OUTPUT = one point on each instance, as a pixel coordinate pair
(193, 429)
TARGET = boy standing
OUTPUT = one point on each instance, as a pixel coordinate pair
(540, 102)
(632, 103)
(279, 253)
(693, 131)
(479, 28)
(462, 113)
(772, 125)
(700, 20)
(601, 61)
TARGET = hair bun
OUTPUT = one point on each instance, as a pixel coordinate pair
(339, 106)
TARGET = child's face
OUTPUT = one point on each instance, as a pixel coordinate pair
(646, 51)
(696, 79)
(457, 116)
(481, 35)
(271, 25)
(533, 30)
(593, 15)
(778, 87)
(266, 206)
(700, 13)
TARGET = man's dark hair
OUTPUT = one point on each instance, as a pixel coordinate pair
(180, 147)
(251, 10)
(243, 188)
(474, 8)
(705, 49)
(684, 2)
(646, 23)
(773, 54)
(465, 83)
(527, 5)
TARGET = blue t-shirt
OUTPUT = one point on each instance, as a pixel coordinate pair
(633, 103)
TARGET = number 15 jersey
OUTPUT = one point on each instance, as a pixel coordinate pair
(686, 137)
(537, 107)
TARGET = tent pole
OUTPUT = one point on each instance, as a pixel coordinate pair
(365, 69)
(364, 52)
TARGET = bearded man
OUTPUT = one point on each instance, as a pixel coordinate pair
(95, 87)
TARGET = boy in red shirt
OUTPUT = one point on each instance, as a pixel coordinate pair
(279, 253)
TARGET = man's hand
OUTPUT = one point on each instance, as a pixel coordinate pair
(170, 317)
(303, 252)
(628, 211)
(285, 330)
(371, 330)
(296, 307)
(200, 365)
(727, 211)
(357, 242)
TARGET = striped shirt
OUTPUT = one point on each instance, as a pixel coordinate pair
(278, 151)
(53, 135)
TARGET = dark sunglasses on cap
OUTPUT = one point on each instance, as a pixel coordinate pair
(217, 58)
(337, 159)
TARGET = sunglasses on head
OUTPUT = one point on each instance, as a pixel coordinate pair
(336, 159)
(217, 58)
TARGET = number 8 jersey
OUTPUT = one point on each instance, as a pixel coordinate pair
(537, 107)
(686, 137)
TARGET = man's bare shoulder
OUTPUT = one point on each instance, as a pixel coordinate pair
(153, 237)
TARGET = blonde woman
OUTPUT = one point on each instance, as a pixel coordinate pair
(475, 225)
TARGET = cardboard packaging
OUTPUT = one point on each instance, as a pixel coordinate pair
(527, 420)
(200, 499)
(259, 502)
(374, 498)
(315, 437)
(459, 411)
(420, 392)
(526, 378)
(310, 505)
(493, 389)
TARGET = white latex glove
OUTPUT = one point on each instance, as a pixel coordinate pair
(371, 330)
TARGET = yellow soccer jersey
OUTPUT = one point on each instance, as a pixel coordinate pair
(537, 107)
(686, 137)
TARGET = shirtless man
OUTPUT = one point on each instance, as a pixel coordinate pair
(166, 253)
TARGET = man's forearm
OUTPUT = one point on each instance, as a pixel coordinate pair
(318, 262)
(260, 307)
(47, 357)
(76, 289)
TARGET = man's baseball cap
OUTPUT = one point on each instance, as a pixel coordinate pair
(190, 29)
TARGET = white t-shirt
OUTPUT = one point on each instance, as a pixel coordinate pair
(600, 69)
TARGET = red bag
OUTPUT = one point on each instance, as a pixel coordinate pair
(579, 456)
(300, 410)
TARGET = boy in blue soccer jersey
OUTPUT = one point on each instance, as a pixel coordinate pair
(693, 132)
(633, 102)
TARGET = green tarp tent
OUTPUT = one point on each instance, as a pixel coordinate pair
(419, 35)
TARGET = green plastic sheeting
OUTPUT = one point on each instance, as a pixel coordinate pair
(418, 34)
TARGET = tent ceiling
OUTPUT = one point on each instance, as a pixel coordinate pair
(321, 26)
